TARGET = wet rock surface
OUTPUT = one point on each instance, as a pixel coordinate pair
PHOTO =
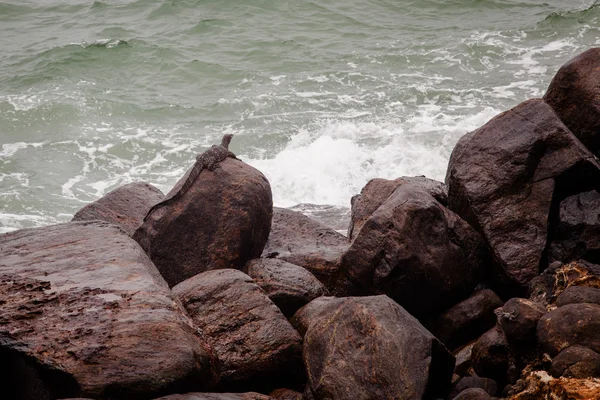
(257, 346)
(125, 206)
(84, 309)
(289, 286)
(222, 221)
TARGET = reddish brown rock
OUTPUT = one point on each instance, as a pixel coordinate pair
(371, 348)
(503, 177)
(217, 396)
(289, 286)
(539, 385)
(84, 309)
(576, 362)
(222, 221)
(417, 252)
(468, 319)
(257, 346)
(285, 394)
(574, 96)
(490, 355)
(126, 206)
(573, 324)
(518, 319)
(578, 294)
(300, 240)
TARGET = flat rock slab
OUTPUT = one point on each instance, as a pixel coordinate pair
(257, 346)
(83, 300)
(289, 286)
(371, 348)
(217, 396)
(125, 206)
(222, 221)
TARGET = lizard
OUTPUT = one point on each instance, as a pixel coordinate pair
(209, 160)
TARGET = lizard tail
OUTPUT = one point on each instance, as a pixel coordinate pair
(226, 140)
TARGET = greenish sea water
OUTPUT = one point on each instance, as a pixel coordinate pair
(321, 96)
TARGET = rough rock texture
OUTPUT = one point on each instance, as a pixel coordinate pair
(579, 294)
(573, 324)
(577, 235)
(546, 287)
(576, 362)
(371, 348)
(377, 190)
(222, 221)
(463, 359)
(539, 385)
(85, 309)
(257, 346)
(468, 319)
(416, 251)
(473, 394)
(486, 384)
(502, 178)
(125, 206)
(289, 286)
(217, 396)
(574, 96)
(519, 318)
(300, 240)
(285, 394)
(490, 355)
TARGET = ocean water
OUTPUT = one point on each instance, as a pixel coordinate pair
(321, 95)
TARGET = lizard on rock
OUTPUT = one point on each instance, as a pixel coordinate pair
(209, 160)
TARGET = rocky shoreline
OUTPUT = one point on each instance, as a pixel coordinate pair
(485, 286)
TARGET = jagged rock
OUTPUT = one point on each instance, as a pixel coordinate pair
(289, 286)
(573, 94)
(577, 235)
(285, 394)
(468, 382)
(371, 348)
(518, 319)
(578, 294)
(473, 394)
(300, 240)
(540, 385)
(84, 309)
(216, 396)
(222, 221)
(503, 178)
(463, 359)
(257, 346)
(546, 287)
(468, 319)
(126, 206)
(573, 324)
(377, 190)
(416, 251)
(490, 355)
(576, 362)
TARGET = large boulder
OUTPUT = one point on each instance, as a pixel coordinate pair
(490, 355)
(575, 97)
(417, 252)
(257, 346)
(289, 286)
(576, 362)
(86, 313)
(126, 206)
(504, 177)
(569, 325)
(577, 233)
(300, 240)
(371, 348)
(222, 221)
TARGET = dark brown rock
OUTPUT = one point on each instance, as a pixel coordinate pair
(503, 177)
(577, 235)
(85, 309)
(257, 346)
(546, 287)
(289, 286)
(573, 324)
(300, 240)
(518, 319)
(468, 382)
(468, 319)
(473, 394)
(285, 394)
(126, 206)
(217, 396)
(222, 221)
(578, 294)
(463, 359)
(576, 362)
(371, 348)
(490, 355)
(377, 190)
(416, 251)
(574, 96)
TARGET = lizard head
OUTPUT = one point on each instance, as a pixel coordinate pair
(226, 140)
